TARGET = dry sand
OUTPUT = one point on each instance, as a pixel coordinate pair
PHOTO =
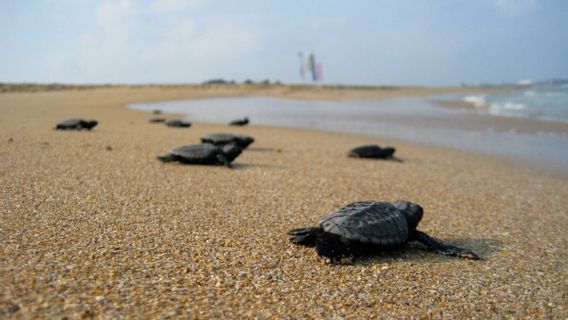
(92, 225)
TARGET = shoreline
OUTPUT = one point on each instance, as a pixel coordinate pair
(417, 120)
(95, 226)
(523, 124)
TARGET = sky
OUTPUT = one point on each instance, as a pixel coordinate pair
(364, 42)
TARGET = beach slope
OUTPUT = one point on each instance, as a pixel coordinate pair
(92, 225)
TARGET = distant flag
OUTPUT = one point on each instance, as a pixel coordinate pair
(302, 72)
(312, 66)
(319, 72)
(309, 63)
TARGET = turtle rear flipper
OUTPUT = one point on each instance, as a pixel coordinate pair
(305, 236)
(444, 249)
(335, 249)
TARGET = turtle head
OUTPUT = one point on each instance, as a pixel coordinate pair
(412, 212)
(388, 152)
(244, 141)
(89, 124)
(231, 151)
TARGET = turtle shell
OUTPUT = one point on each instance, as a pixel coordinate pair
(178, 123)
(219, 138)
(373, 222)
(197, 153)
(239, 122)
(71, 123)
(226, 138)
(76, 124)
(371, 151)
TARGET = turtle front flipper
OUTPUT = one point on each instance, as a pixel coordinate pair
(222, 159)
(305, 236)
(444, 249)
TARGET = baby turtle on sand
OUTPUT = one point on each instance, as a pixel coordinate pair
(157, 120)
(240, 122)
(221, 139)
(76, 124)
(204, 153)
(372, 151)
(178, 123)
(369, 226)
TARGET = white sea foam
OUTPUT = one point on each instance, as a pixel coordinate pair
(526, 82)
(514, 106)
(476, 101)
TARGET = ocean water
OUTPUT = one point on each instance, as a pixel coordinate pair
(414, 119)
(545, 101)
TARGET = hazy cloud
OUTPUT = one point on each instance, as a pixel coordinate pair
(132, 34)
(118, 20)
(518, 7)
(66, 2)
(173, 5)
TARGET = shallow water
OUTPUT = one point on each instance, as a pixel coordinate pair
(544, 101)
(411, 119)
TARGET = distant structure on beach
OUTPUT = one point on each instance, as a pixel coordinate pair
(314, 70)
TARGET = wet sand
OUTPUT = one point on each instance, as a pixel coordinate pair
(503, 123)
(92, 225)
(411, 119)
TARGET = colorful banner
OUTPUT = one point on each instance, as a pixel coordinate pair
(302, 63)
(312, 64)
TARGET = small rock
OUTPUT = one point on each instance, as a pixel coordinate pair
(13, 308)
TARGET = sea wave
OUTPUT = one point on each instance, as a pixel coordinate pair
(477, 101)
(514, 106)
(543, 101)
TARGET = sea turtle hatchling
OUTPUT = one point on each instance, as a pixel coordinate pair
(204, 153)
(240, 122)
(372, 151)
(76, 124)
(178, 123)
(221, 139)
(370, 226)
(157, 120)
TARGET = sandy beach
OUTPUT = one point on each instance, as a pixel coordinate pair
(93, 226)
